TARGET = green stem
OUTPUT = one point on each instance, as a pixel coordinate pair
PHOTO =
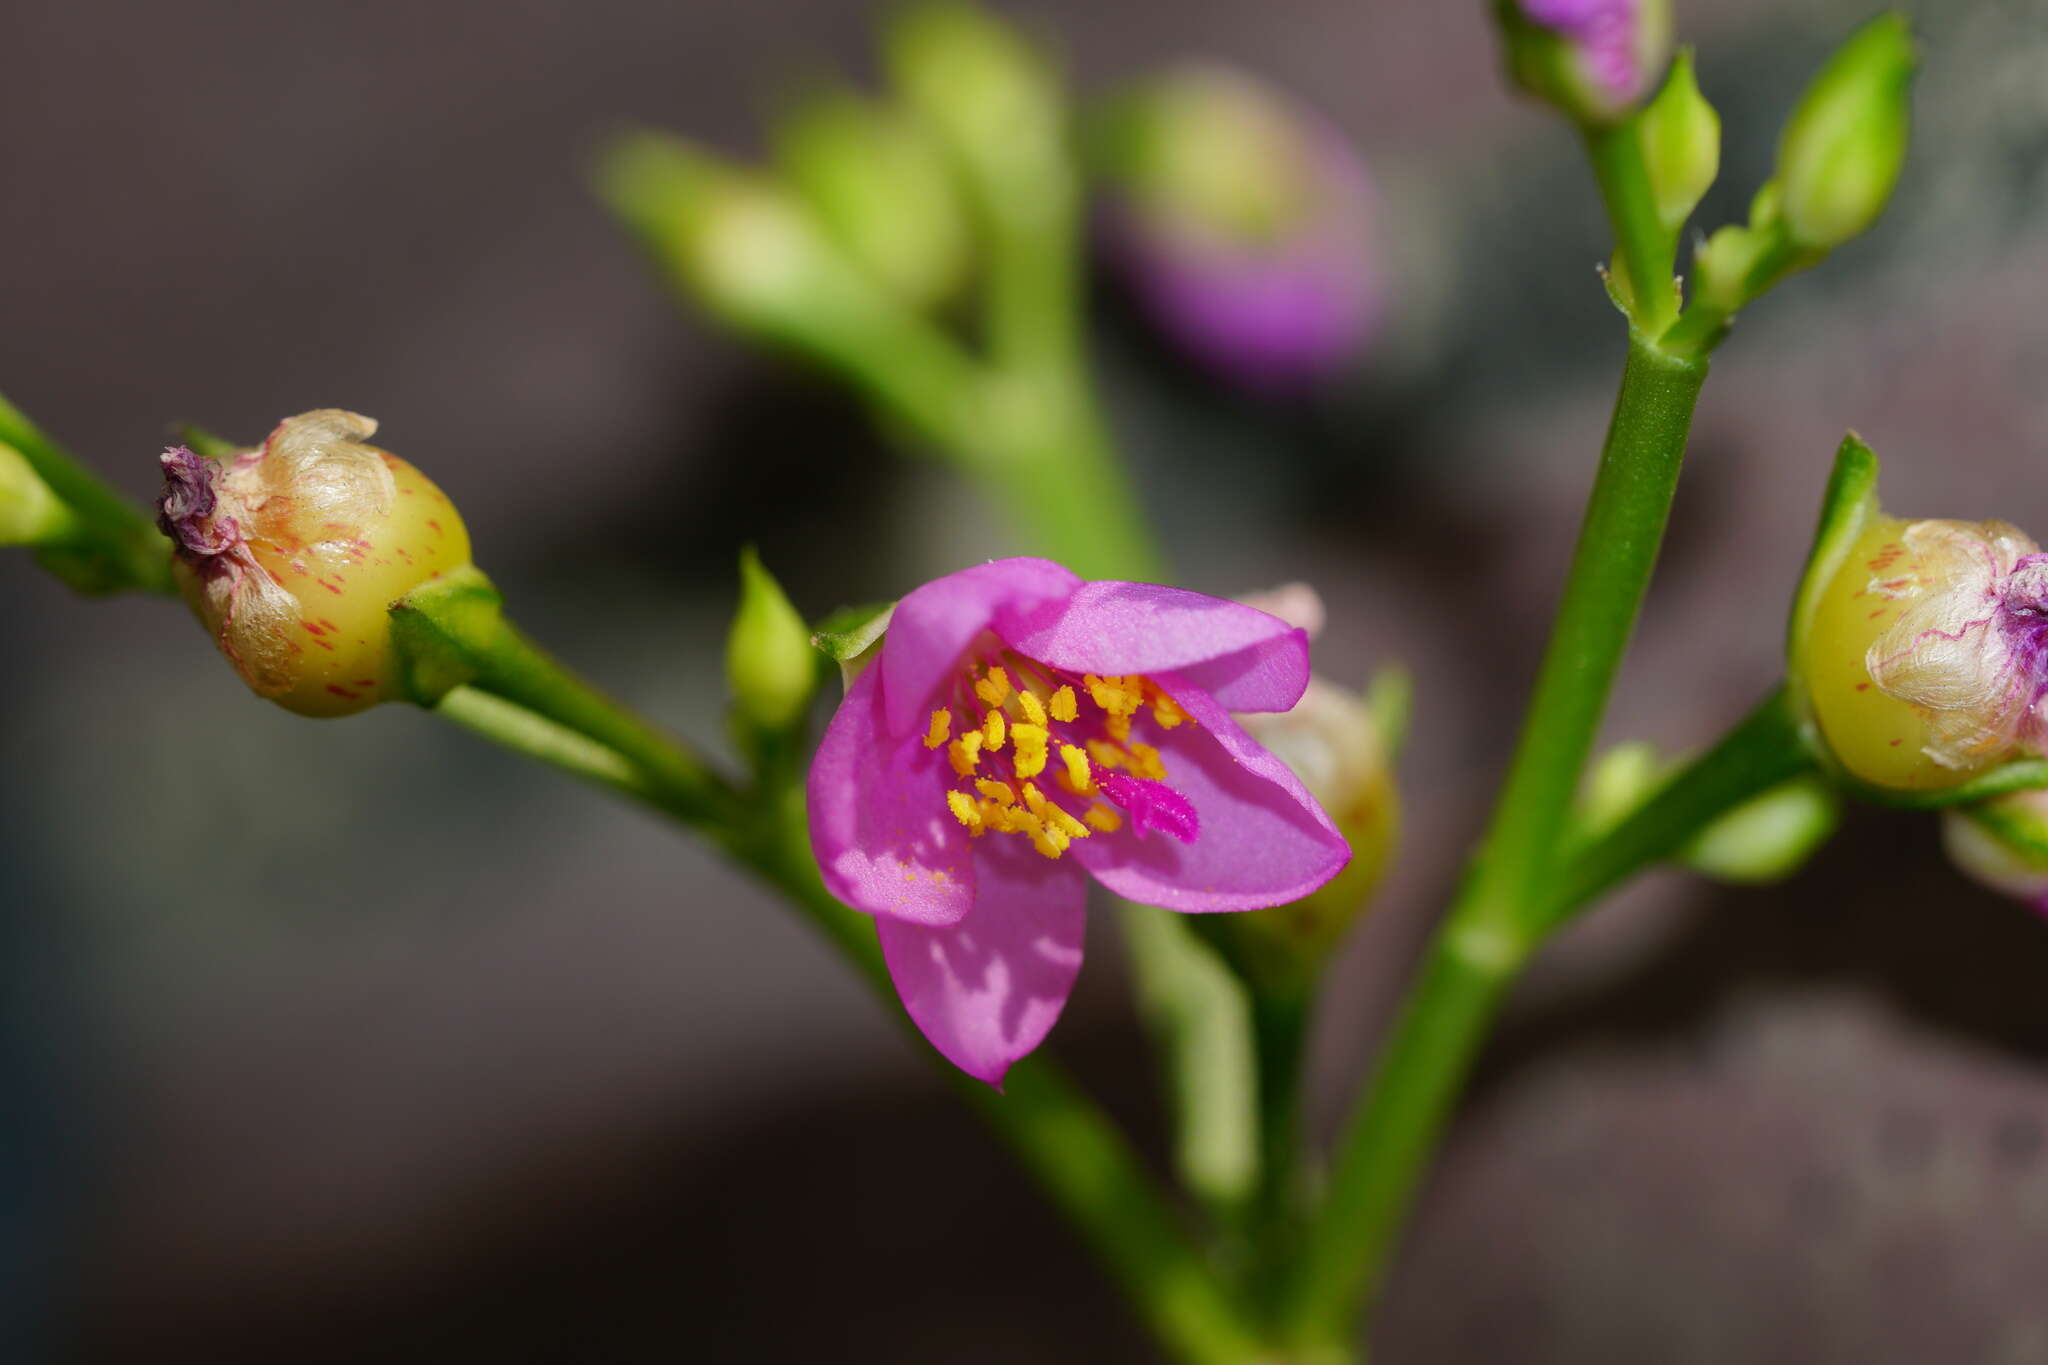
(1649, 251)
(525, 701)
(1762, 751)
(1495, 922)
(1280, 1029)
(115, 544)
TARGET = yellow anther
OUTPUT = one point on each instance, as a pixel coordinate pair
(1106, 754)
(995, 817)
(1063, 822)
(1064, 709)
(1034, 709)
(1166, 710)
(966, 753)
(1104, 692)
(964, 810)
(1079, 780)
(998, 792)
(1034, 799)
(1145, 762)
(1031, 746)
(1105, 818)
(1117, 727)
(995, 688)
(1047, 839)
(993, 729)
(942, 727)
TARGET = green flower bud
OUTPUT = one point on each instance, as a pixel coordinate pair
(30, 514)
(1769, 837)
(292, 554)
(1844, 145)
(769, 663)
(737, 242)
(2002, 843)
(992, 97)
(1681, 137)
(879, 184)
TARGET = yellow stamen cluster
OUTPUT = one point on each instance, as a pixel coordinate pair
(1019, 718)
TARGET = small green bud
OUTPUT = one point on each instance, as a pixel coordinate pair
(735, 240)
(991, 96)
(879, 184)
(769, 664)
(1769, 837)
(1681, 137)
(1844, 145)
(2003, 844)
(30, 514)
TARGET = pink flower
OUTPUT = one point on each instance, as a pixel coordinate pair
(1023, 730)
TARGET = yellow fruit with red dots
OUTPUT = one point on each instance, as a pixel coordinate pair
(1876, 736)
(292, 555)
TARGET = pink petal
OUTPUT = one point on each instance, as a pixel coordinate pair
(934, 624)
(1264, 840)
(1245, 658)
(986, 990)
(883, 837)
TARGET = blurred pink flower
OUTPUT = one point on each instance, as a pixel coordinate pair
(1022, 731)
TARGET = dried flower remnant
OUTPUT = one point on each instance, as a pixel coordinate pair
(1022, 731)
(1928, 660)
(292, 553)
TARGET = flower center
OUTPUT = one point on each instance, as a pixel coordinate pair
(1043, 754)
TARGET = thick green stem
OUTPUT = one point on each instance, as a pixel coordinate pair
(1280, 1028)
(1649, 251)
(1496, 921)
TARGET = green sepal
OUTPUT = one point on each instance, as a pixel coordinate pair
(2023, 834)
(1845, 510)
(2026, 774)
(850, 632)
(441, 630)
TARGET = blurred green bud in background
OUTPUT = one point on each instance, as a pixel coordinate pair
(1844, 145)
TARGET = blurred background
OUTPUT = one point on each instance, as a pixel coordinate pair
(329, 1040)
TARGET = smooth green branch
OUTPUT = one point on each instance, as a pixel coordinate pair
(109, 545)
(1762, 751)
(1648, 250)
(516, 696)
(1498, 917)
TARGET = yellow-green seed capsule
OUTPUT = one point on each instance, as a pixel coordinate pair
(292, 554)
(1923, 653)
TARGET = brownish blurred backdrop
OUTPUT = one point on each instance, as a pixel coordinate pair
(359, 1039)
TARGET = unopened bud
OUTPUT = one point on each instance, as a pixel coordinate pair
(1330, 741)
(769, 663)
(878, 183)
(2002, 843)
(1681, 136)
(1244, 224)
(30, 514)
(292, 553)
(1593, 59)
(1768, 837)
(987, 90)
(732, 239)
(1843, 147)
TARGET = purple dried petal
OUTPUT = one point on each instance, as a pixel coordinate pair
(1605, 31)
(186, 510)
